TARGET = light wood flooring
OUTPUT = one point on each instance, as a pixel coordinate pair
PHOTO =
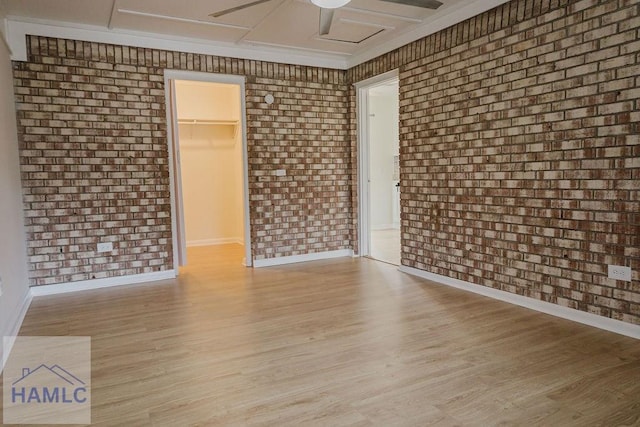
(385, 245)
(335, 343)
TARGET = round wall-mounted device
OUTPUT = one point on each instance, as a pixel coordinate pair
(269, 99)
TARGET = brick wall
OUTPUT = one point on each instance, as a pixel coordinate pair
(520, 151)
(94, 157)
(305, 132)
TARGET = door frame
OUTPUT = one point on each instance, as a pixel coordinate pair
(177, 211)
(364, 179)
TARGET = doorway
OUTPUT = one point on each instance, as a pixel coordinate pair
(379, 148)
(208, 156)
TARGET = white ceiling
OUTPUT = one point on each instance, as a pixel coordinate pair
(361, 30)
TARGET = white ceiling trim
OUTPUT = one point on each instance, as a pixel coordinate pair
(337, 42)
(289, 48)
(18, 29)
(382, 14)
(455, 16)
(114, 8)
(189, 21)
(366, 23)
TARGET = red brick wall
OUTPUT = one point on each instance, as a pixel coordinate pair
(92, 131)
(305, 132)
(520, 151)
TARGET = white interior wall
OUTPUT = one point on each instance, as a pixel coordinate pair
(13, 251)
(384, 145)
(211, 163)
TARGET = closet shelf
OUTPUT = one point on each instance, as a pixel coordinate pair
(234, 123)
(208, 122)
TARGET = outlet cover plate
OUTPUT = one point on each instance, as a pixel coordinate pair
(105, 247)
(619, 272)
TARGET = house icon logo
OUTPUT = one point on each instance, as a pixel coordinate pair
(48, 385)
(47, 380)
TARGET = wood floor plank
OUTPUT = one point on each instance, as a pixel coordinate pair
(337, 342)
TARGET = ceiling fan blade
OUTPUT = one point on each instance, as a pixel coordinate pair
(237, 8)
(427, 4)
(326, 18)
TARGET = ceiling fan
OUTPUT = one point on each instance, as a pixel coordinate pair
(327, 9)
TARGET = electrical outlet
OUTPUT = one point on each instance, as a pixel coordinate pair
(619, 272)
(105, 247)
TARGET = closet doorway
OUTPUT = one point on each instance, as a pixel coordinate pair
(208, 167)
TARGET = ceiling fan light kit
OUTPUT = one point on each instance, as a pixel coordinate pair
(330, 4)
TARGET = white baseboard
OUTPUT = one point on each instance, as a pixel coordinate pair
(86, 285)
(214, 242)
(611, 325)
(270, 262)
(14, 328)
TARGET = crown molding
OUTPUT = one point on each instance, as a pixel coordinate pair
(18, 28)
